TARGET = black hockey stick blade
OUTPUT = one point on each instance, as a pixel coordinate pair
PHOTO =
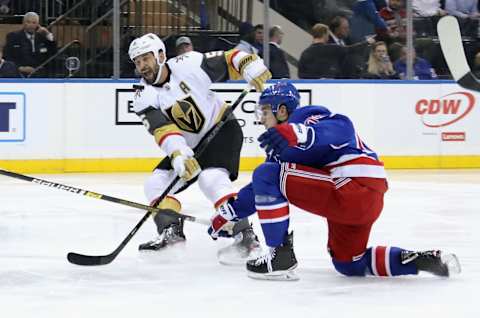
(452, 49)
(95, 260)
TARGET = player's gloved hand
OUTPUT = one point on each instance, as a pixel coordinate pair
(277, 138)
(254, 71)
(223, 221)
(184, 164)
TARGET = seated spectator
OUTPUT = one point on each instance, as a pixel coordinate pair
(183, 45)
(395, 16)
(278, 61)
(247, 38)
(422, 68)
(379, 65)
(467, 14)
(462, 8)
(31, 46)
(365, 21)
(8, 69)
(427, 8)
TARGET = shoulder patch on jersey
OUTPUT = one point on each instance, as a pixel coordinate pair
(144, 99)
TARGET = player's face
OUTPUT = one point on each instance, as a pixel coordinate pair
(147, 66)
(266, 116)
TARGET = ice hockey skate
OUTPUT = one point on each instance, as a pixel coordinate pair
(245, 247)
(434, 262)
(170, 235)
(277, 264)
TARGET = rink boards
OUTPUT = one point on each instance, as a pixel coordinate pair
(89, 125)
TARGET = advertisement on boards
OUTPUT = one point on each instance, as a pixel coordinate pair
(12, 117)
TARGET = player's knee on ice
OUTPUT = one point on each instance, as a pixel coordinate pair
(356, 268)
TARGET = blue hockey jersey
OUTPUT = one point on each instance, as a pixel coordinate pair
(332, 145)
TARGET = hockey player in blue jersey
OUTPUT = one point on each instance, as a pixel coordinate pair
(317, 162)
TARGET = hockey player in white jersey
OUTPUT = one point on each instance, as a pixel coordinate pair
(177, 107)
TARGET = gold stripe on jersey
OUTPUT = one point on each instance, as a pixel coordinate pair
(161, 132)
(245, 61)
(232, 71)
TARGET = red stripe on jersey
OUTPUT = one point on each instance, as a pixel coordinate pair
(380, 260)
(231, 58)
(273, 214)
(166, 135)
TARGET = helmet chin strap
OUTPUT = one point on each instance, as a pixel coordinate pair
(159, 74)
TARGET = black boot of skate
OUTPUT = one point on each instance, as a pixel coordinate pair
(245, 245)
(277, 264)
(433, 262)
(170, 231)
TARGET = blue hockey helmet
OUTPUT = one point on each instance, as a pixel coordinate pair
(281, 93)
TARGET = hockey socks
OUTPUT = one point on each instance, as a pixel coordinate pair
(377, 261)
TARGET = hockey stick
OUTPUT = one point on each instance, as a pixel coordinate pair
(100, 196)
(452, 48)
(81, 259)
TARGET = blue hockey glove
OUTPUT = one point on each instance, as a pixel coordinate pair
(278, 138)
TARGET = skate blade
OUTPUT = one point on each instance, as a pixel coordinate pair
(453, 264)
(288, 275)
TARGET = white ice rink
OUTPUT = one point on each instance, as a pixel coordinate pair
(39, 226)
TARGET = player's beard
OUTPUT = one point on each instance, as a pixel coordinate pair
(150, 75)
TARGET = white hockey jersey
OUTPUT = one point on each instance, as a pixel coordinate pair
(184, 105)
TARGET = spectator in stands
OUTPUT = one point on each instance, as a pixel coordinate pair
(247, 38)
(427, 8)
(278, 61)
(31, 46)
(467, 14)
(258, 42)
(7, 68)
(365, 21)
(183, 45)
(4, 7)
(339, 30)
(379, 65)
(320, 60)
(422, 68)
(395, 16)
(462, 8)
(324, 60)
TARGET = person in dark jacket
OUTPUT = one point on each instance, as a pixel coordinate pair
(278, 61)
(31, 46)
(324, 60)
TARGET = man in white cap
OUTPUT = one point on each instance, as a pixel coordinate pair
(183, 45)
(177, 107)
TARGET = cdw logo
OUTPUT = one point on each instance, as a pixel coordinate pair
(445, 110)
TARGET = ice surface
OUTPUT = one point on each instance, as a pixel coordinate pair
(39, 226)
